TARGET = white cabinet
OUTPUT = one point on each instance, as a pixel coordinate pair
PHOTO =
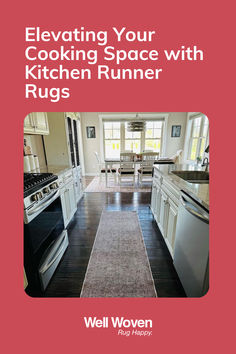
(171, 226)
(73, 115)
(153, 198)
(62, 146)
(156, 196)
(164, 209)
(29, 124)
(164, 205)
(73, 204)
(155, 201)
(41, 122)
(78, 183)
(68, 195)
(68, 202)
(36, 123)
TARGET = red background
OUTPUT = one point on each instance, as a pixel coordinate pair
(184, 325)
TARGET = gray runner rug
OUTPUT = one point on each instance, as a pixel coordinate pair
(118, 265)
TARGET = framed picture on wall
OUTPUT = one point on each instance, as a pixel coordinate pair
(91, 133)
(175, 131)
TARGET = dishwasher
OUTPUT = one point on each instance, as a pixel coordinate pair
(191, 251)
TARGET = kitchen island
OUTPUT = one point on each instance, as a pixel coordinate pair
(198, 191)
(166, 195)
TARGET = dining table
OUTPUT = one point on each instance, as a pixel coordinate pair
(111, 162)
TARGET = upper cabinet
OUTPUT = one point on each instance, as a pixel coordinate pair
(28, 124)
(41, 122)
(73, 115)
(36, 123)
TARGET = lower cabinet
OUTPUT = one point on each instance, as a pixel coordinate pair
(153, 199)
(77, 191)
(164, 205)
(78, 183)
(68, 201)
(171, 225)
(158, 204)
(164, 210)
(71, 191)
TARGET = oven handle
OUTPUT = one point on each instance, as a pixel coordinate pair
(60, 249)
(45, 204)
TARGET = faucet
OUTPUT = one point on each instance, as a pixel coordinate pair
(206, 164)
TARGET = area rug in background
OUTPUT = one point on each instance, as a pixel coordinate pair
(118, 265)
(98, 185)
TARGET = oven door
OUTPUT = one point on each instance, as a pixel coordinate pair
(39, 236)
(35, 210)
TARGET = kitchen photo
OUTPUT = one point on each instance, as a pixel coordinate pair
(116, 204)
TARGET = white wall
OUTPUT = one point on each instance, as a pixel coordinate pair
(91, 145)
(174, 144)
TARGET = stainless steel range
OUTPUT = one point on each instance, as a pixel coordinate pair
(40, 189)
(45, 239)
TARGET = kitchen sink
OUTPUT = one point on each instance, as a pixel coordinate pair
(193, 176)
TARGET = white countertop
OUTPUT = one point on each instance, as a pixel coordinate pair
(56, 170)
(198, 191)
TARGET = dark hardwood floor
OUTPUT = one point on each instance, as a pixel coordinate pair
(68, 278)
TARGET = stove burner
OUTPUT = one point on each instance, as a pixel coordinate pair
(35, 181)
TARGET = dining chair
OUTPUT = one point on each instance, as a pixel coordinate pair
(146, 165)
(127, 166)
(102, 170)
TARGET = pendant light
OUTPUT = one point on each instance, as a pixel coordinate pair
(137, 125)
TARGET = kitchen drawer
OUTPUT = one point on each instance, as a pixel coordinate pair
(157, 177)
(173, 191)
(170, 195)
(68, 176)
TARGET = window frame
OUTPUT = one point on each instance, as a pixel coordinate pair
(161, 138)
(123, 117)
(199, 138)
(123, 138)
(112, 139)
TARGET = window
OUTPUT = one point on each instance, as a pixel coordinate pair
(117, 138)
(112, 139)
(132, 141)
(198, 137)
(153, 136)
